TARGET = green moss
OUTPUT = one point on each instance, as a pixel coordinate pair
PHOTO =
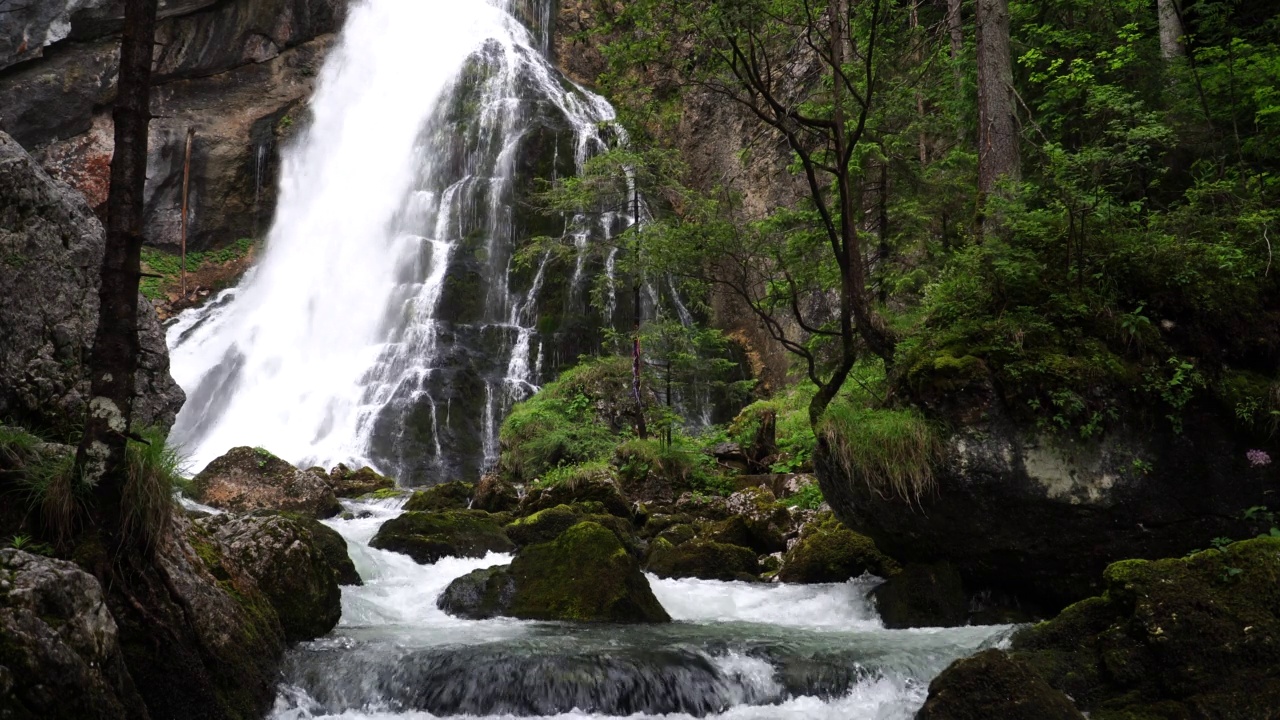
(383, 494)
(830, 552)
(445, 496)
(168, 265)
(702, 559)
(429, 536)
(584, 575)
(542, 526)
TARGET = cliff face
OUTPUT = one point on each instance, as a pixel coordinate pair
(234, 74)
(50, 258)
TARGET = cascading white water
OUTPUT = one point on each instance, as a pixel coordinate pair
(333, 349)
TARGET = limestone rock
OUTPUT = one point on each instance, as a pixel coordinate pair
(60, 651)
(288, 564)
(830, 552)
(50, 257)
(584, 575)
(246, 479)
(428, 536)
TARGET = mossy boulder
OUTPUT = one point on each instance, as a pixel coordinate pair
(293, 570)
(602, 490)
(702, 559)
(445, 496)
(1177, 638)
(428, 536)
(546, 525)
(493, 494)
(923, 596)
(348, 483)
(677, 534)
(993, 685)
(827, 551)
(657, 521)
(334, 549)
(758, 534)
(584, 575)
(247, 479)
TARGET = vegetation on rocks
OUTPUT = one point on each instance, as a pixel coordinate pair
(428, 536)
(830, 552)
(704, 559)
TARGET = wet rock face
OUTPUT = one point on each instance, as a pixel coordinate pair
(232, 71)
(59, 647)
(50, 257)
(584, 575)
(289, 565)
(1039, 517)
(247, 479)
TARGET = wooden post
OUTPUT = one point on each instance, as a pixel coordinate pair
(186, 180)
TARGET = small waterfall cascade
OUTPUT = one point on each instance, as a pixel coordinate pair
(389, 321)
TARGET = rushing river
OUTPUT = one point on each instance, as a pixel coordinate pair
(735, 650)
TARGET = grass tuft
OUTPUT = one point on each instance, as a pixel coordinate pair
(154, 473)
(892, 451)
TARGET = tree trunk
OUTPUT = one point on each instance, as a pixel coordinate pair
(997, 133)
(113, 362)
(955, 27)
(1171, 47)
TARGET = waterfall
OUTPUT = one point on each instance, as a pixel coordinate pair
(387, 322)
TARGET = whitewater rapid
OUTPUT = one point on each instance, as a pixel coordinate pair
(737, 651)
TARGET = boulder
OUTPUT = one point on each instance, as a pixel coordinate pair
(830, 552)
(1193, 637)
(291, 568)
(51, 249)
(348, 483)
(427, 537)
(60, 654)
(922, 596)
(677, 534)
(599, 490)
(993, 685)
(546, 525)
(493, 494)
(246, 479)
(702, 559)
(760, 535)
(445, 496)
(584, 575)
(1038, 515)
(334, 548)
(209, 644)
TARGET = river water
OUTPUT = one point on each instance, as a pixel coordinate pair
(735, 650)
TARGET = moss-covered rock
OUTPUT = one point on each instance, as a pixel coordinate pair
(827, 551)
(601, 490)
(493, 494)
(583, 575)
(334, 548)
(702, 559)
(247, 479)
(993, 685)
(659, 520)
(677, 534)
(291, 568)
(1179, 638)
(758, 534)
(348, 483)
(542, 526)
(428, 536)
(445, 496)
(923, 596)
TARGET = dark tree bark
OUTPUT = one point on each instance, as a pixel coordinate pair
(113, 362)
(997, 131)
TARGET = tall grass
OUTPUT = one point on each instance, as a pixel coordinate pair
(155, 470)
(892, 451)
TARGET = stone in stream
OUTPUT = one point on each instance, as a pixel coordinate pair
(429, 536)
(294, 562)
(603, 491)
(246, 479)
(60, 654)
(584, 575)
(993, 685)
(445, 496)
(702, 559)
(547, 525)
(348, 483)
(922, 596)
(830, 552)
